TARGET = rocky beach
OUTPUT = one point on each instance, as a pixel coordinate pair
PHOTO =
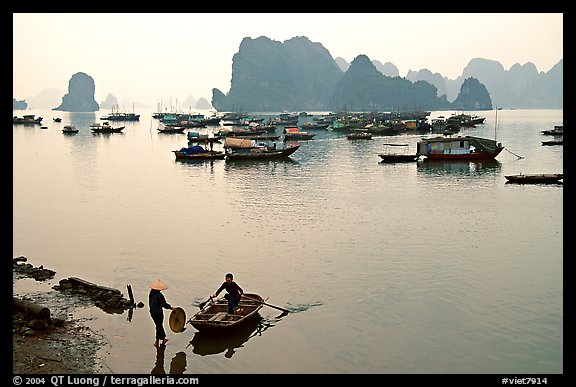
(46, 338)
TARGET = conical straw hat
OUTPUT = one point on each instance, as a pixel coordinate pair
(158, 285)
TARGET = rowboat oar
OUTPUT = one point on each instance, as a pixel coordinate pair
(272, 306)
(201, 306)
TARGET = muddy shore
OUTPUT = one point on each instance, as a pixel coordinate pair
(68, 347)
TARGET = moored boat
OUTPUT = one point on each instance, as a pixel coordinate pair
(535, 178)
(27, 119)
(197, 152)
(308, 125)
(170, 128)
(69, 129)
(292, 133)
(458, 148)
(359, 134)
(390, 155)
(244, 149)
(105, 128)
(553, 142)
(556, 131)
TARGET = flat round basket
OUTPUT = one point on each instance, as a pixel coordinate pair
(177, 320)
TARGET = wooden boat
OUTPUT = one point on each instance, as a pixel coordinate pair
(397, 157)
(121, 116)
(359, 134)
(558, 130)
(69, 129)
(536, 178)
(458, 148)
(27, 119)
(553, 142)
(170, 128)
(197, 152)
(105, 128)
(244, 149)
(292, 133)
(214, 316)
(314, 126)
(57, 119)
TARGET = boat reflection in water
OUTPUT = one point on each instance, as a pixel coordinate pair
(207, 343)
(464, 167)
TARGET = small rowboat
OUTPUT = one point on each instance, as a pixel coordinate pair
(214, 316)
(389, 156)
(538, 178)
(206, 155)
(553, 142)
(70, 129)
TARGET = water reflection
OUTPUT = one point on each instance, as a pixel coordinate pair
(206, 343)
(463, 167)
(177, 364)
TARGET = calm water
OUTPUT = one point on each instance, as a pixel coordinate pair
(422, 268)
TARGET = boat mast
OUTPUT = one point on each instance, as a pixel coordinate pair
(496, 123)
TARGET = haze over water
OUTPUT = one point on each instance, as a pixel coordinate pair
(421, 268)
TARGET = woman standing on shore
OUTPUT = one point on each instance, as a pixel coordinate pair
(157, 304)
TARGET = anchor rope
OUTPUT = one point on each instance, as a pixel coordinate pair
(520, 157)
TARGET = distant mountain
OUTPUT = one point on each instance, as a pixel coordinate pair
(519, 87)
(301, 75)
(388, 69)
(203, 104)
(19, 105)
(365, 88)
(47, 99)
(80, 96)
(473, 96)
(271, 76)
(342, 64)
(111, 102)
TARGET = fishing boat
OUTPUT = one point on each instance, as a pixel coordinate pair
(359, 134)
(244, 149)
(214, 316)
(121, 116)
(458, 148)
(536, 178)
(553, 142)
(69, 129)
(170, 128)
(197, 152)
(292, 133)
(308, 125)
(391, 155)
(105, 128)
(28, 119)
(556, 131)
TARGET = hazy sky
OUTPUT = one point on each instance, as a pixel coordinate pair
(148, 57)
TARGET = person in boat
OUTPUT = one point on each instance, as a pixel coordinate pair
(233, 292)
(157, 303)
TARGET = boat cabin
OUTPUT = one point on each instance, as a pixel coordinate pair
(456, 145)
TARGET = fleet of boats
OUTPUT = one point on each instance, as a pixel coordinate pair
(251, 142)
